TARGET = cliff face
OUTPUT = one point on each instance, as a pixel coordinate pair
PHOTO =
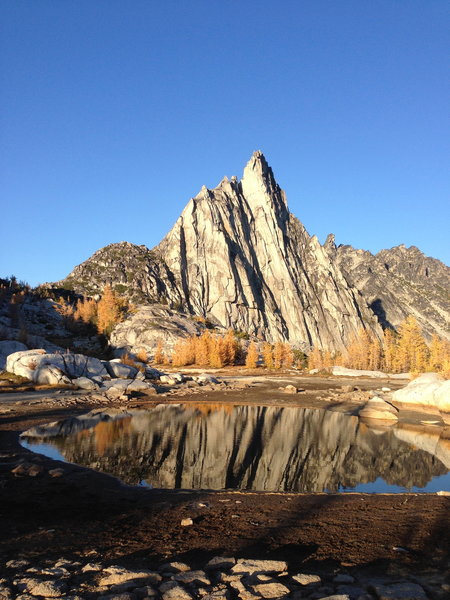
(238, 256)
(399, 282)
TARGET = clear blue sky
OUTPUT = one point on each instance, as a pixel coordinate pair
(114, 113)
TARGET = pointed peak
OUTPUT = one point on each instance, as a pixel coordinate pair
(258, 168)
(257, 158)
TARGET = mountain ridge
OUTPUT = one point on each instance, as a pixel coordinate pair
(237, 256)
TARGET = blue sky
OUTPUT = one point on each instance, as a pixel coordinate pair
(115, 113)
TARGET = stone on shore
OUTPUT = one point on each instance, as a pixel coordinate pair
(249, 566)
(430, 389)
(377, 408)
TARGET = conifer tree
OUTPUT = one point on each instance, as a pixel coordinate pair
(108, 313)
(231, 347)
(288, 356)
(412, 352)
(315, 359)
(215, 353)
(268, 355)
(86, 310)
(278, 353)
(203, 349)
(159, 357)
(252, 357)
(389, 350)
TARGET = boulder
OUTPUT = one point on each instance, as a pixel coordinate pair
(430, 389)
(83, 383)
(23, 358)
(442, 395)
(50, 374)
(377, 408)
(120, 370)
(205, 378)
(139, 386)
(72, 365)
(152, 373)
(168, 380)
(8, 347)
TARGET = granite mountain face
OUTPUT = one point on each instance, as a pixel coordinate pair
(238, 257)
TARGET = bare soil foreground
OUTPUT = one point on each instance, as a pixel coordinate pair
(84, 513)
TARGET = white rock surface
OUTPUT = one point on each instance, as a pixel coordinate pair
(72, 365)
(377, 408)
(50, 374)
(430, 389)
(345, 372)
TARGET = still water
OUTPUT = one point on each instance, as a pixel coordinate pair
(250, 447)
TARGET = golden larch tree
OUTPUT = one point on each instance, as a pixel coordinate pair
(412, 351)
(251, 360)
(108, 311)
(159, 357)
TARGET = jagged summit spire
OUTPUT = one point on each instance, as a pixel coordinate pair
(258, 165)
(258, 183)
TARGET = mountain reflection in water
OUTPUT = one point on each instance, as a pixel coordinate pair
(249, 447)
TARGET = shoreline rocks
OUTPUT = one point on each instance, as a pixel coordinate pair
(222, 578)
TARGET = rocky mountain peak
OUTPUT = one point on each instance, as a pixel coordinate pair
(258, 184)
(238, 257)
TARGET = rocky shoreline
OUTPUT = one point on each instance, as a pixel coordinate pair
(393, 546)
(221, 578)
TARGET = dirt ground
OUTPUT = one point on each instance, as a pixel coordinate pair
(85, 513)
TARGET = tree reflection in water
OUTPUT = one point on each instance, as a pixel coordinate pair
(251, 447)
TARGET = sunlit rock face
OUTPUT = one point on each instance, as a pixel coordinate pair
(257, 448)
(238, 256)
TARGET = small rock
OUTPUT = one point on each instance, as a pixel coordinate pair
(243, 592)
(307, 579)
(191, 577)
(271, 590)
(290, 389)
(249, 566)
(186, 522)
(119, 575)
(55, 572)
(346, 388)
(217, 595)
(400, 591)
(49, 589)
(17, 564)
(20, 470)
(5, 593)
(91, 567)
(35, 470)
(174, 567)
(56, 472)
